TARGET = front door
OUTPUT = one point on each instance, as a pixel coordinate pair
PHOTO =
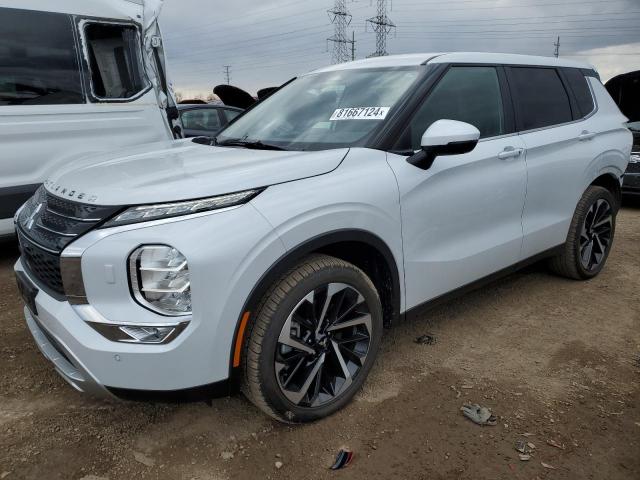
(461, 218)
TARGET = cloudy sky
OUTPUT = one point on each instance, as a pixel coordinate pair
(267, 42)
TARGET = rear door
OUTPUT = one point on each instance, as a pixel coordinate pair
(461, 218)
(560, 143)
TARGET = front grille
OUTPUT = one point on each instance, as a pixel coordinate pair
(633, 167)
(46, 225)
(43, 265)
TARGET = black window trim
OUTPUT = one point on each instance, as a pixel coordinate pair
(568, 91)
(422, 93)
(83, 22)
(432, 75)
(572, 94)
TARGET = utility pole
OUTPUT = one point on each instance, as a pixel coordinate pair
(556, 53)
(353, 45)
(227, 74)
(341, 19)
(382, 26)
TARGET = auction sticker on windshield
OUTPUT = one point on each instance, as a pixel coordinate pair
(360, 113)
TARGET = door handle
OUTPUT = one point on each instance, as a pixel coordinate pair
(586, 135)
(510, 152)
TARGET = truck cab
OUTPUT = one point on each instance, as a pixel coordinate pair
(76, 79)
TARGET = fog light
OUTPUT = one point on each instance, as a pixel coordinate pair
(148, 334)
(160, 279)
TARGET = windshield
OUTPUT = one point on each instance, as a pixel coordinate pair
(323, 110)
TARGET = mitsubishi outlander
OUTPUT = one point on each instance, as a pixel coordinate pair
(270, 258)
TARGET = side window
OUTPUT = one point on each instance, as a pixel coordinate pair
(201, 119)
(115, 61)
(540, 97)
(581, 91)
(230, 114)
(38, 59)
(466, 94)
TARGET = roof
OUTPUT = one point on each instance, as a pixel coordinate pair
(113, 9)
(415, 59)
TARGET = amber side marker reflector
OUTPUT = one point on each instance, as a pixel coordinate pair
(239, 338)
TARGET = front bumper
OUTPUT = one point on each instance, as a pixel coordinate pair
(198, 360)
(63, 360)
(101, 368)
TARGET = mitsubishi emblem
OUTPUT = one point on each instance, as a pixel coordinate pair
(31, 219)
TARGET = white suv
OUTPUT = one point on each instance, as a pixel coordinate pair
(271, 257)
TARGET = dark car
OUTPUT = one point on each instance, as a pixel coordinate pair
(625, 90)
(206, 120)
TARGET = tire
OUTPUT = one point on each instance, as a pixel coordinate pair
(576, 260)
(275, 366)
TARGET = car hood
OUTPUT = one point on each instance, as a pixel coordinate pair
(183, 170)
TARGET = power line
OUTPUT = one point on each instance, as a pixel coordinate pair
(556, 52)
(227, 74)
(382, 25)
(341, 19)
(520, 5)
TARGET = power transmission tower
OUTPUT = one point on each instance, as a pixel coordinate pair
(382, 26)
(556, 53)
(227, 74)
(341, 19)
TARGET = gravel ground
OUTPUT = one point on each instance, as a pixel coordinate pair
(554, 359)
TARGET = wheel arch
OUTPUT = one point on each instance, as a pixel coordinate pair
(364, 249)
(611, 183)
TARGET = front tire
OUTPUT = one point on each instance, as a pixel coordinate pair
(313, 341)
(590, 236)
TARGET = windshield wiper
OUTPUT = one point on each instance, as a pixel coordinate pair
(252, 144)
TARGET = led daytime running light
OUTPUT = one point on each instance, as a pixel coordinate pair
(146, 213)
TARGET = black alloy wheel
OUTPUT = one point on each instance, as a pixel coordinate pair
(323, 345)
(313, 340)
(596, 234)
(590, 236)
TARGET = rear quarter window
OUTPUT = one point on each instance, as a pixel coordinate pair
(540, 97)
(38, 59)
(581, 91)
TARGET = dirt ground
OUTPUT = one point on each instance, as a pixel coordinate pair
(554, 359)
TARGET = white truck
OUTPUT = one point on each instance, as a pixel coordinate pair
(76, 78)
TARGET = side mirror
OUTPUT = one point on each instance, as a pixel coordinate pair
(445, 137)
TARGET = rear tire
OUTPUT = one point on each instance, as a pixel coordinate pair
(590, 236)
(313, 341)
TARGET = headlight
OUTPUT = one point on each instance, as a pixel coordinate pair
(160, 281)
(145, 213)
